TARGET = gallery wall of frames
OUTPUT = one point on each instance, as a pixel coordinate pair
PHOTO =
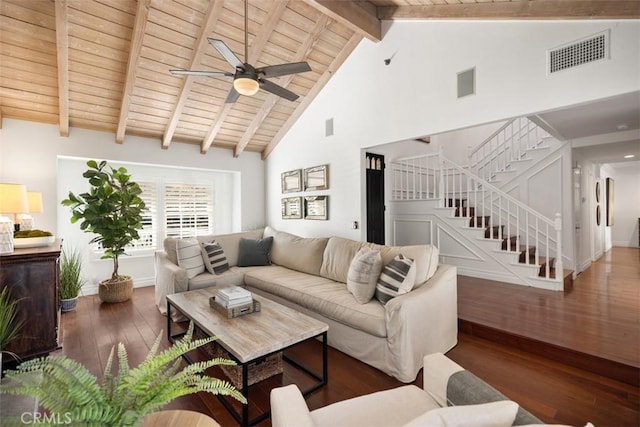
(307, 206)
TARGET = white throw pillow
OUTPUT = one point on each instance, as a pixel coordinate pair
(363, 274)
(397, 278)
(190, 256)
(494, 414)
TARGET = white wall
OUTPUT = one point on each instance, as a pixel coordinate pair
(626, 202)
(374, 104)
(30, 151)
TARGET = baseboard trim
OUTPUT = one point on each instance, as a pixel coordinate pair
(598, 365)
(137, 283)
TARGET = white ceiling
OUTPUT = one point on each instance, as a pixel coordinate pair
(604, 131)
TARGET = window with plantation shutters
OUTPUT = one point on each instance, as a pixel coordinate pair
(148, 233)
(188, 209)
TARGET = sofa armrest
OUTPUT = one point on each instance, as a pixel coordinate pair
(451, 385)
(170, 279)
(438, 368)
(288, 408)
(423, 321)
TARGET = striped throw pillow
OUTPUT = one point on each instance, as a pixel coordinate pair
(397, 278)
(190, 256)
(215, 261)
(363, 274)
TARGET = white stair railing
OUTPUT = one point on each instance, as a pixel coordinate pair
(507, 144)
(434, 177)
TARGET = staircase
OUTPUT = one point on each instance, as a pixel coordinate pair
(477, 226)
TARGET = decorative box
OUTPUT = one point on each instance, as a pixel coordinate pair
(236, 311)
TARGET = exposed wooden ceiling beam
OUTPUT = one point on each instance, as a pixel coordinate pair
(359, 16)
(215, 8)
(62, 52)
(142, 13)
(255, 48)
(317, 87)
(523, 9)
(302, 52)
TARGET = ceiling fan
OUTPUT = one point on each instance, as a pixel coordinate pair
(247, 79)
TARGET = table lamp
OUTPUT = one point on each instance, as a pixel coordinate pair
(34, 200)
(13, 201)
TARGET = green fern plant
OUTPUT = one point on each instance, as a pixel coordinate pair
(65, 387)
(10, 324)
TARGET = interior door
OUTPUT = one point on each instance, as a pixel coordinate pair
(375, 198)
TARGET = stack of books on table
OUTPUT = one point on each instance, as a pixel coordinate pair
(234, 301)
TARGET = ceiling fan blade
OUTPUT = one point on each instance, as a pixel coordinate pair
(277, 90)
(226, 53)
(233, 96)
(201, 73)
(283, 69)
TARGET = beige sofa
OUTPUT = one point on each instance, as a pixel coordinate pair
(445, 399)
(309, 274)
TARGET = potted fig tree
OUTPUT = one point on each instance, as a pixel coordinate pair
(112, 209)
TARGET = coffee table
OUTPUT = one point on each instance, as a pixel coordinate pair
(250, 338)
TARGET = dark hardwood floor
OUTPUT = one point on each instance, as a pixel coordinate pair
(554, 391)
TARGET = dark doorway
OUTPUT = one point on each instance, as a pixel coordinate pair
(375, 198)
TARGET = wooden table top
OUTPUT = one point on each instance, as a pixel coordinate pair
(251, 336)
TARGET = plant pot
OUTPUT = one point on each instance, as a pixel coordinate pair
(68, 304)
(110, 291)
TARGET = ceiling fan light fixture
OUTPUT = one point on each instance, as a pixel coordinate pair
(246, 86)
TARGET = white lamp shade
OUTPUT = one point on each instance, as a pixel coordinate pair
(35, 201)
(246, 86)
(13, 199)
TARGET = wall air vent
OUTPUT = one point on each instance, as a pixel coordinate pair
(590, 49)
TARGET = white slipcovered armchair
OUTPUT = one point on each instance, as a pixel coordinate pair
(445, 384)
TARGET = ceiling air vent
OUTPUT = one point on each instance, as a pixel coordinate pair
(590, 49)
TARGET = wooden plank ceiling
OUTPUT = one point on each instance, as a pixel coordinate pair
(104, 64)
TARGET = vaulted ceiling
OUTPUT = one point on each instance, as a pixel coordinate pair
(104, 64)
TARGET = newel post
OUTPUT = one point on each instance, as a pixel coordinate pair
(441, 185)
(558, 227)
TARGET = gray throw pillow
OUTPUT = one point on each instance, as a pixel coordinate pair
(254, 252)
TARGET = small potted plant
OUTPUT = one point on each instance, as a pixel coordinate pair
(112, 209)
(65, 387)
(9, 323)
(71, 280)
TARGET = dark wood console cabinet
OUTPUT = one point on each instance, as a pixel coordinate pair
(33, 275)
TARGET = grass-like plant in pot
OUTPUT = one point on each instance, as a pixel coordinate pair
(68, 390)
(112, 209)
(71, 281)
(10, 324)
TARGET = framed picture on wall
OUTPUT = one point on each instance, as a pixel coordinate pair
(609, 190)
(316, 178)
(316, 207)
(292, 208)
(291, 181)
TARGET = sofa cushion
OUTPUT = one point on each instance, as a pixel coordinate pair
(297, 253)
(215, 261)
(190, 256)
(324, 296)
(363, 274)
(229, 243)
(337, 257)
(397, 278)
(494, 414)
(233, 276)
(392, 407)
(254, 252)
